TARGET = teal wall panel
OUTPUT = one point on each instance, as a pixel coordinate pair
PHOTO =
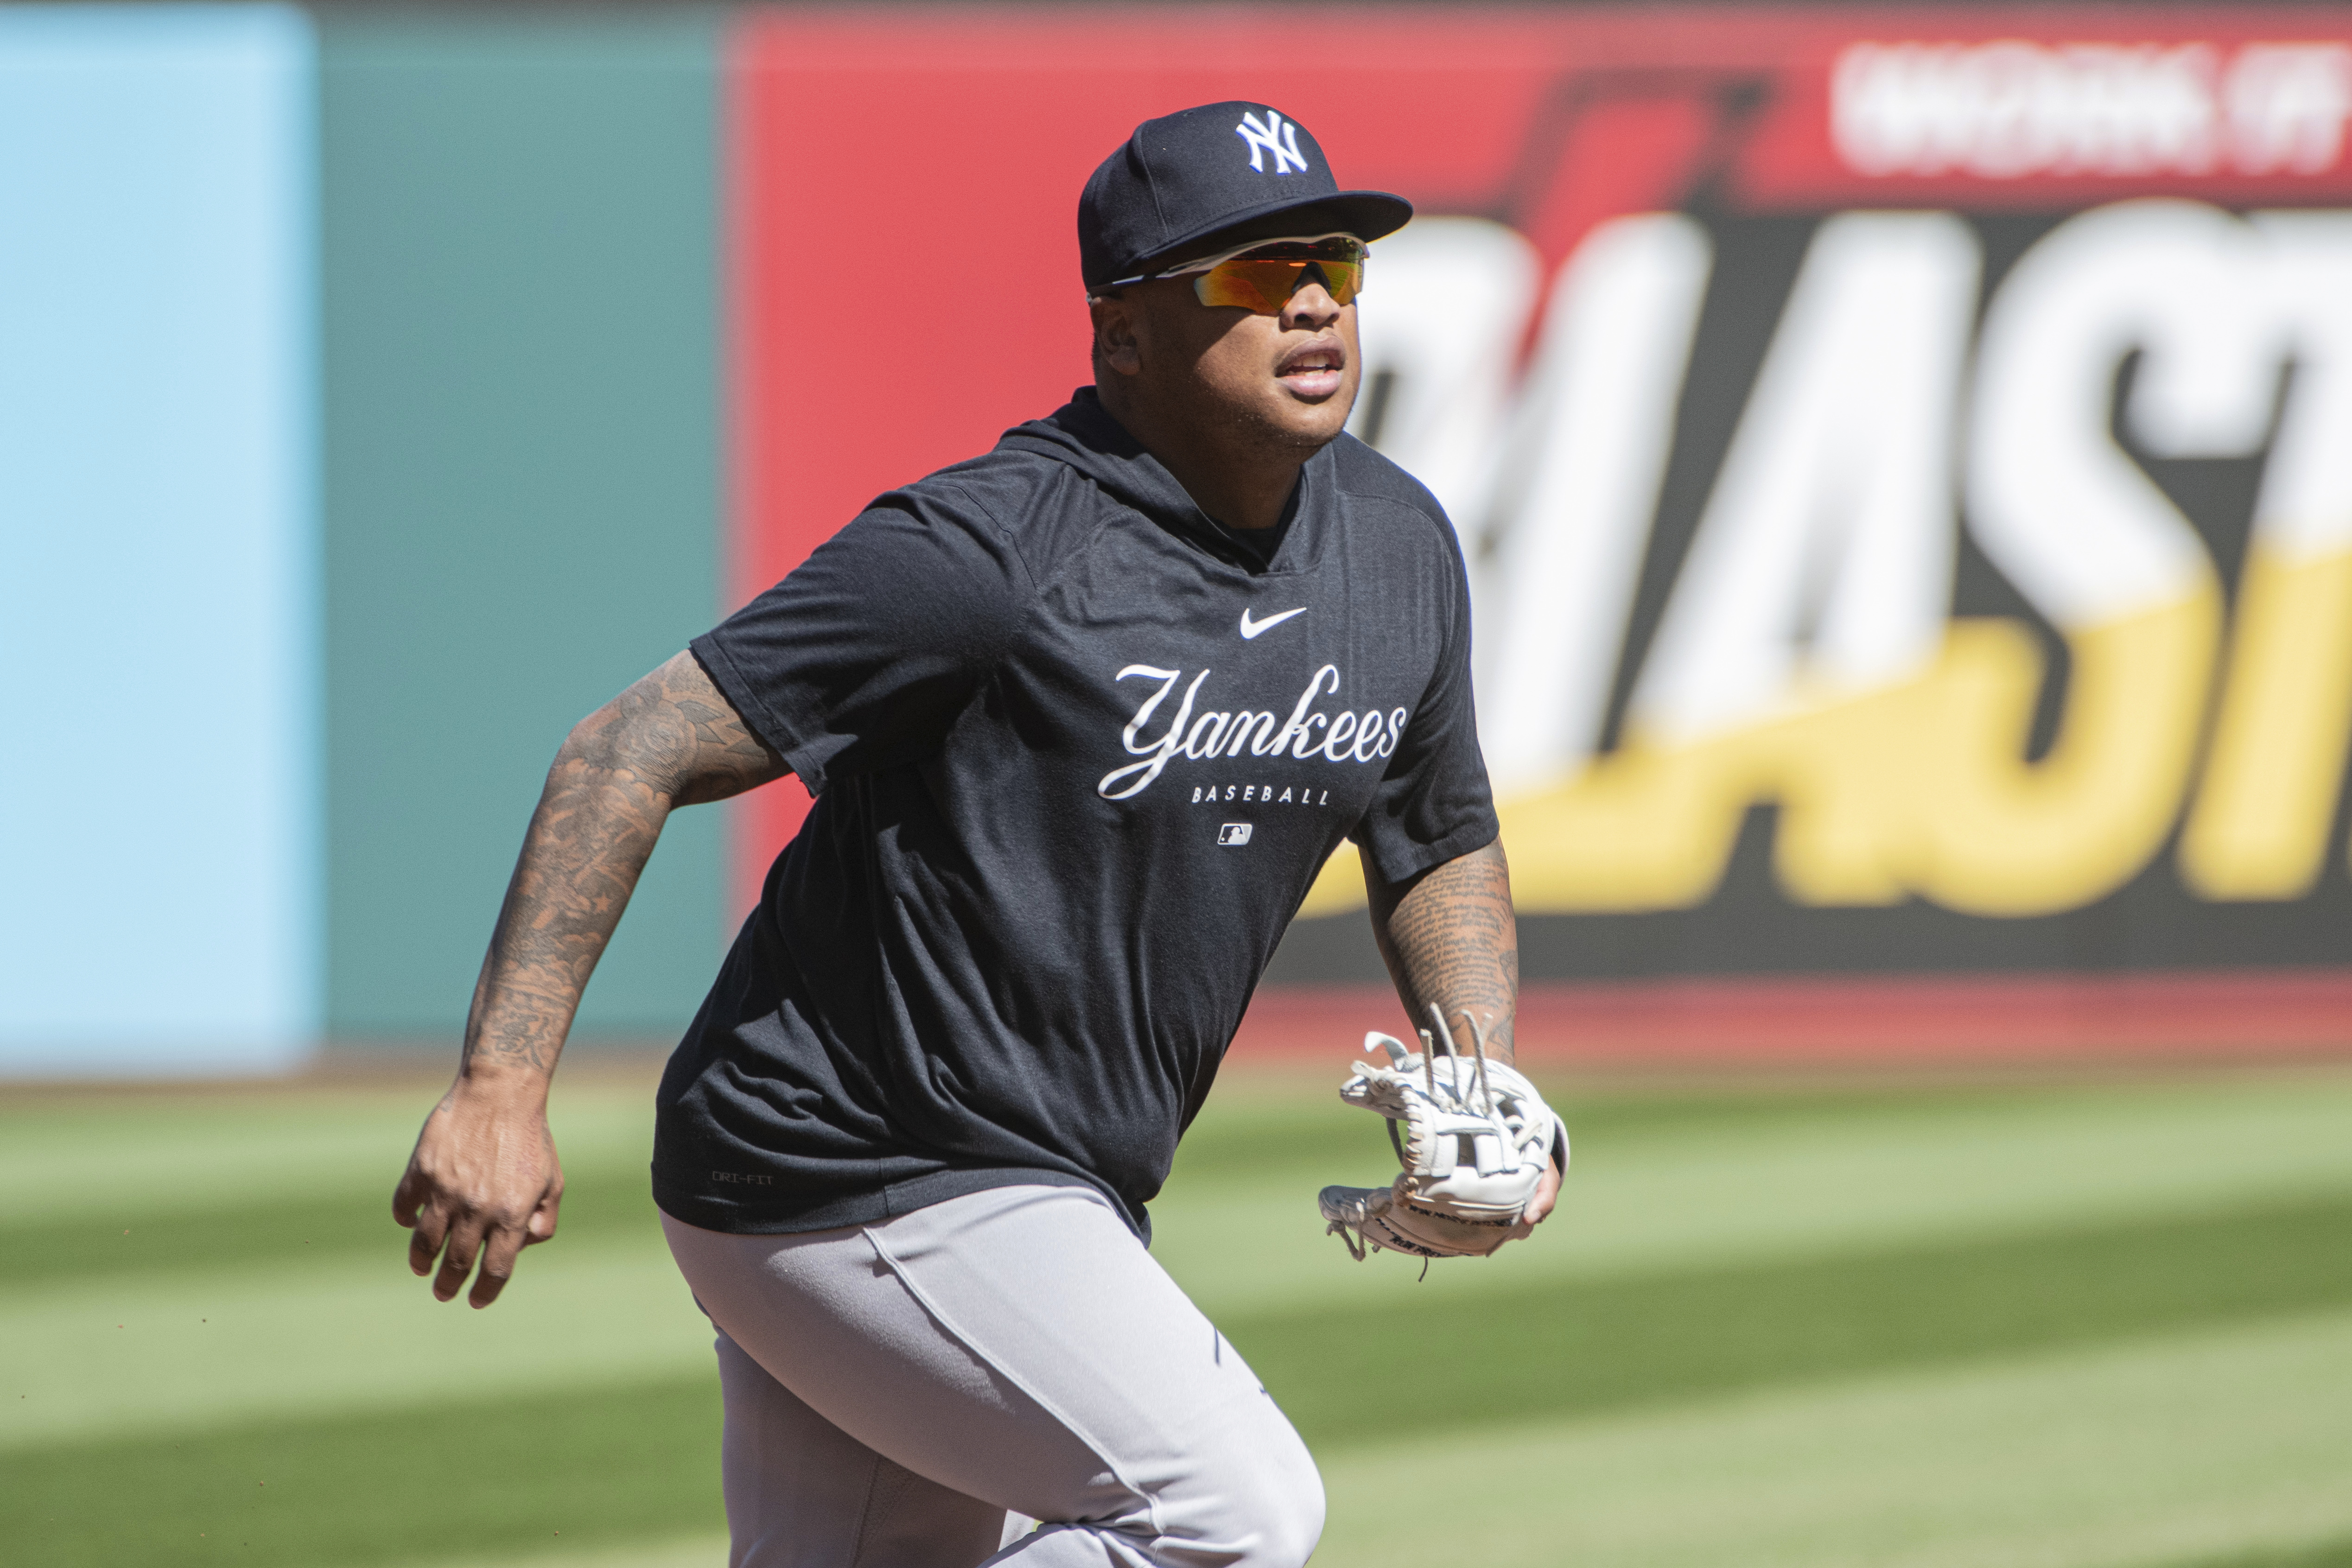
(522, 475)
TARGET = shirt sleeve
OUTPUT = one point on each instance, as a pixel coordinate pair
(864, 656)
(1433, 804)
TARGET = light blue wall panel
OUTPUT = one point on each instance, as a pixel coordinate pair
(158, 839)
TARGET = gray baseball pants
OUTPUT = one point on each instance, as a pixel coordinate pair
(911, 1394)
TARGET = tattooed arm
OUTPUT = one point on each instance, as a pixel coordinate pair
(1449, 936)
(483, 1181)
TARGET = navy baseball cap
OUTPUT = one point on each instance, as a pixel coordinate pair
(1207, 179)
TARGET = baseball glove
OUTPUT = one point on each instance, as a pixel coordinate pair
(1474, 1143)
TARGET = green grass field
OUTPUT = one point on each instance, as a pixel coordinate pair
(2090, 1325)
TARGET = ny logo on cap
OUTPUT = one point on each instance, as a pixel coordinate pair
(1278, 136)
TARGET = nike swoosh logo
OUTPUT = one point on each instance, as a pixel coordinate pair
(1251, 629)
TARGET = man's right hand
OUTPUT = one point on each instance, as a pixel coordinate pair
(483, 1184)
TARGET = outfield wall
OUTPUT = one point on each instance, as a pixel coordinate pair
(1901, 453)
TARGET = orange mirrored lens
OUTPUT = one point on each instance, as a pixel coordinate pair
(1265, 285)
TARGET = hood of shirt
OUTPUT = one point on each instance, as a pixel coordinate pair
(1083, 434)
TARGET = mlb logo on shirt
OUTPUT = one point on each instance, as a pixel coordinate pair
(1234, 833)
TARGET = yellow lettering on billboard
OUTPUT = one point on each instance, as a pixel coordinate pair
(1921, 788)
(2003, 836)
(2259, 827)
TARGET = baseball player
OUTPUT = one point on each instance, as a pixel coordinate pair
(1083, 716)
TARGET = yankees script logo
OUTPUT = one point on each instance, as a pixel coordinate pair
(1278, 136)
(1343, 736)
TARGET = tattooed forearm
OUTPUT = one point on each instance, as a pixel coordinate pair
(1448, 936)
(670, 740)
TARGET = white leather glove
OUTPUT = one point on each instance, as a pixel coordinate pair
(1476, 1140)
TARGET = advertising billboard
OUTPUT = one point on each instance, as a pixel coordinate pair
(1905, 457)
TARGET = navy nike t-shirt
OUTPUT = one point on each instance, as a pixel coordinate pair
(1077, 759)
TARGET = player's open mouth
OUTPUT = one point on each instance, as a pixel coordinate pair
(1313, 372)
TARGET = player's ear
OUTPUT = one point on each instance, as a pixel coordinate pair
(1115, 348)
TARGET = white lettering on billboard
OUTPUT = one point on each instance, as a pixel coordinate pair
(1441, 352)
(2010, 109)
(2065, 514)
(1824, 556)
(1592, 438)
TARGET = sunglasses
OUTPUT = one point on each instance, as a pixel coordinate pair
(1262, 277)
